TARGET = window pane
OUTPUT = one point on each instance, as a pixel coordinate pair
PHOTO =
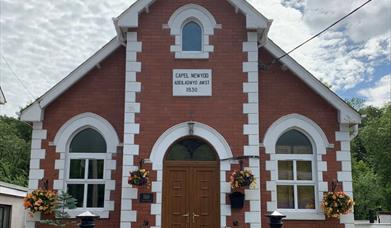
(204, 153)
(285, 170)
(77, 169)
(304, 170)
(88, 141)
(96, 195)
(285, 196)
(77, 192)
(191, 37)
(306, 197)
(191, 149)
(5, 216)
(178, 152)
(293, 142)
(95, 169)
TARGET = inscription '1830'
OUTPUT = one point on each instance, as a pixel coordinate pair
(192, 82)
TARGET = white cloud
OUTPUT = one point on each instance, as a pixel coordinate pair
(45, 40)
(380, 93)
(338, 57)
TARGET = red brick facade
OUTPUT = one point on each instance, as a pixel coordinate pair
(102, 92)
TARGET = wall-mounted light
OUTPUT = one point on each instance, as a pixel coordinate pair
(191, 128)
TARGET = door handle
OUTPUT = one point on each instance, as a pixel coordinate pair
(194, 216)
(187, 217)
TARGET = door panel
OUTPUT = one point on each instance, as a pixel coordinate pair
(176, 198)
(191, 188)
(204, 202)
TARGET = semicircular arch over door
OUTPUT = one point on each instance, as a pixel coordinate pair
(191, 191)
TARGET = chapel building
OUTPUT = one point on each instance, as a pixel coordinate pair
(191, 91)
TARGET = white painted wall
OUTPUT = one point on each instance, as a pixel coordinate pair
(17, 210)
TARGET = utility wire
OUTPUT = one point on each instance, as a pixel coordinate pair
(20, 81)
(324, 30)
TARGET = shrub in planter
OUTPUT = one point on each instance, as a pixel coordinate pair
(139, 177)
(335, 204)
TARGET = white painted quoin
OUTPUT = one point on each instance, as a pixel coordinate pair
(254, 42)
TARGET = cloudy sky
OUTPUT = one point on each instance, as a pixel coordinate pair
(41, 41)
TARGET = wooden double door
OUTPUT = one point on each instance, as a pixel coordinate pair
(191, 194)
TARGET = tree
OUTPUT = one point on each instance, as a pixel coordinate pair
(366, 193)
(15, 140)
(376, 137)
(61, 217)
(371, 152)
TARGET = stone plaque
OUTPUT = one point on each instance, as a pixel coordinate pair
(192, 82)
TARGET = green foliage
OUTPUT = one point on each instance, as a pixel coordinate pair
(15, 140)
(367, 194)
(371, 152)
(61, 217)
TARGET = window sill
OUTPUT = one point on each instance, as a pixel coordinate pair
(302, 215)
(101, 212)
(191, 55)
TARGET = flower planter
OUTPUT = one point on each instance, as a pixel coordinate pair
(237, 200)
(139, 178)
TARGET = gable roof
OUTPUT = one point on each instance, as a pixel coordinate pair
(129, 19)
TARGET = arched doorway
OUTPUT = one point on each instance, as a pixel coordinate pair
(191, 185)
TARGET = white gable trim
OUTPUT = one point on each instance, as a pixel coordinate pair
(34, 111)
(129, 18)
(346, 113)
(254, 19)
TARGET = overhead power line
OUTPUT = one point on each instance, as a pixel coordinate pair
(17, 77)
(324, 30)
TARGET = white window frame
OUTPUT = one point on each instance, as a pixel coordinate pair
(200, 15)
(294, 158)
(62, 141)
(320, 144)
(85, 181)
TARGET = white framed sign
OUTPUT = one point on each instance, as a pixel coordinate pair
(192, 82)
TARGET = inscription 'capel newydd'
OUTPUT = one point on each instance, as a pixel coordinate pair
(192, 82)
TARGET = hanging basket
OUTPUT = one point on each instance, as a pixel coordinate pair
(237, 200)
(139, 177)
(41, 201)
(335, 204)
(242, 178)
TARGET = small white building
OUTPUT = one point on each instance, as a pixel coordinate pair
(11, 205)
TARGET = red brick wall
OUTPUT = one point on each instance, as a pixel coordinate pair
(282, 93)
(102, 92)
(160, 110)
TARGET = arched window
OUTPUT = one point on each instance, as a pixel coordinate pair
(192, 37)
(191, 149)
(295, 171)
(85, 180)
